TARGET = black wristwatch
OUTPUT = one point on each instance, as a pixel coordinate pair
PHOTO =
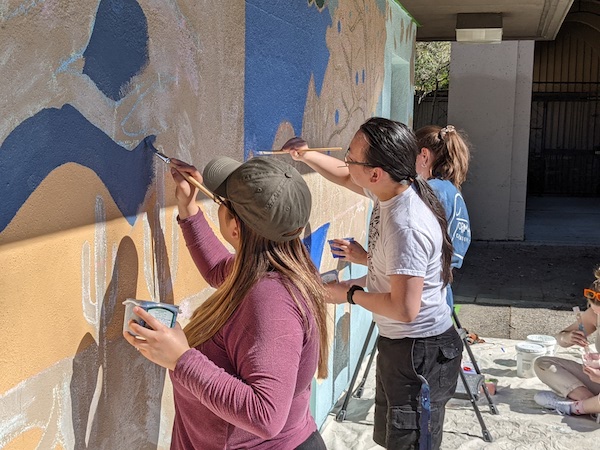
(351, 291)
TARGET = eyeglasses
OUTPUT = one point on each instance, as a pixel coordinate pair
(590, 294)
(348, 161)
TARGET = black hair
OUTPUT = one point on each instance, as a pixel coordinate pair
(393, 147)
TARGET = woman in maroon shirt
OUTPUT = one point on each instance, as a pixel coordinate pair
(243, 366)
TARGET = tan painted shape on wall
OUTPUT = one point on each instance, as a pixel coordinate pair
(28, 439)
(43, 275)
(62, 201)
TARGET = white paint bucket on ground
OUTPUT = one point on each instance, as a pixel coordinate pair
(548, 342)
(526, 355)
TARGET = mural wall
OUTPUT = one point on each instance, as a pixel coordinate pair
(87, 217)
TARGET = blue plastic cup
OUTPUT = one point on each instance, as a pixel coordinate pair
(334, 248)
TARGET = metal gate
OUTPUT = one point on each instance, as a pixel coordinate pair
(564, 146)
(431, 110)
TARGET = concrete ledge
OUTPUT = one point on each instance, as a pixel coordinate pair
(512, 322)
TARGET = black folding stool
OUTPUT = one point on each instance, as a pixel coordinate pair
(471, 383)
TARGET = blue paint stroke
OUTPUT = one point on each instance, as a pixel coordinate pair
(118, 47)
(285, 46)
(54, 137)
(315, 243)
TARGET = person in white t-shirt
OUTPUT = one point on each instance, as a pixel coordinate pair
(409, 257)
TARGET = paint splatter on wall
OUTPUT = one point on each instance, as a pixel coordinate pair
(88, 219)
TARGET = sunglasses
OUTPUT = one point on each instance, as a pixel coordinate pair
(590, 294)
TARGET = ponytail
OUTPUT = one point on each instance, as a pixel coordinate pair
(426, 193)
(450, 151)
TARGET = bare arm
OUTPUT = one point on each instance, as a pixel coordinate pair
(329, 167)
(402, 303)
(573, 336)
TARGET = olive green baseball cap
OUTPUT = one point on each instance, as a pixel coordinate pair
(269, 195)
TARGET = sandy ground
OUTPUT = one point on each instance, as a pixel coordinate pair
(520, 424)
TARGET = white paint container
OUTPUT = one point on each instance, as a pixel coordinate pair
(548, 342)
(526, 355)
(165, 313)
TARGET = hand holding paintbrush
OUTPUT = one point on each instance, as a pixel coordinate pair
(183, 168)
(186, 178)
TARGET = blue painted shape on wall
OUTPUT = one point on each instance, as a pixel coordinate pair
(285, 46)
(118, 47)
(54, 137)
(315, 243)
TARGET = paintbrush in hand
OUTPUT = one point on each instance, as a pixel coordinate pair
(189, 178)
(283, 152)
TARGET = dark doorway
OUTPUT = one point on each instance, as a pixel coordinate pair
(564, 145)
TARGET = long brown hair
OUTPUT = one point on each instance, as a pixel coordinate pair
(299, 275)
(450, 150)
(393, 147)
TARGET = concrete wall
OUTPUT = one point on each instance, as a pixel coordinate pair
(490, 99)
(87, 217)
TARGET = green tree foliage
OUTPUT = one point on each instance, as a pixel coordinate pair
(432, 67)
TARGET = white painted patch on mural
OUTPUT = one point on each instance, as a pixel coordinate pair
(43, 402)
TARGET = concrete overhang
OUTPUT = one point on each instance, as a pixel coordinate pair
(521, 19)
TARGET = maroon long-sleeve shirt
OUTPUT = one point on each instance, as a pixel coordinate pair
(249, 385)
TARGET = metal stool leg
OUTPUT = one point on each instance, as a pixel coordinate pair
(492, 406)
(487, 437)
(359, 390)
(341, 415)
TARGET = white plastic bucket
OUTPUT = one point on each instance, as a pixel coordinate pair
(548, 342)
(526, 355)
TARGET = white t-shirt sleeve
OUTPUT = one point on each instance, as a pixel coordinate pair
(409, 253)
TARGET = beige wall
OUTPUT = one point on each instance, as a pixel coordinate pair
(490, 99)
